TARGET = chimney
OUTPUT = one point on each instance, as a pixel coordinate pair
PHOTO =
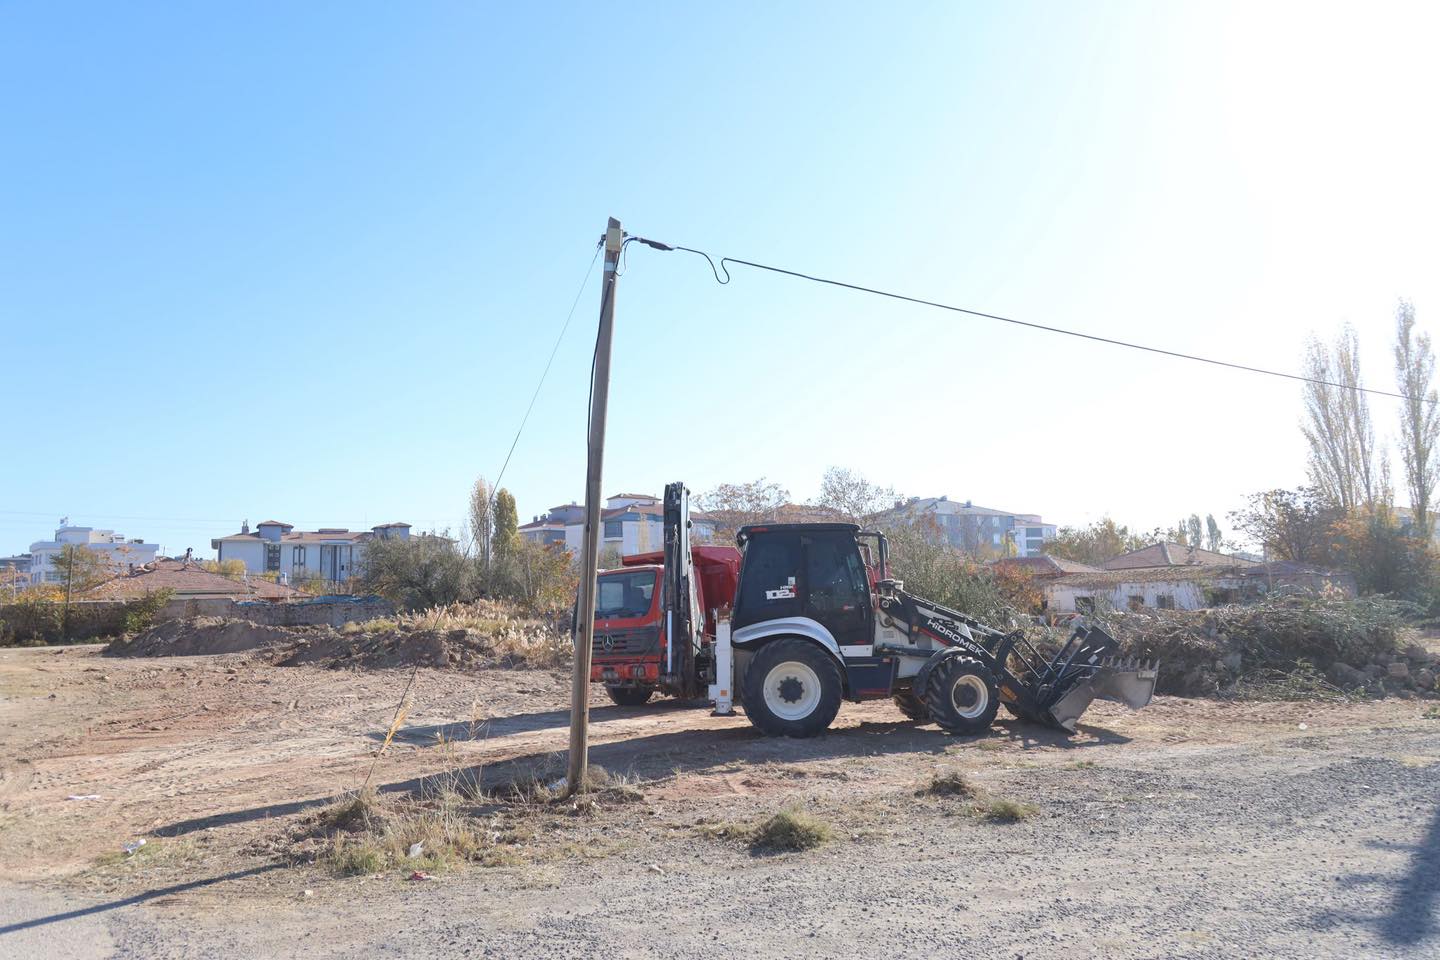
(244, 526)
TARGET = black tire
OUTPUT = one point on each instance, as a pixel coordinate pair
(911, 705)
(961, 695)
(629, 696)
(812, 687)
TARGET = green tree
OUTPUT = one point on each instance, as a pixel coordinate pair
(1343, 462)
(425, 570)
(1095, 544)
(1194, 532)
(1214, 537)
(506, 536)
(481, 521)
(79, 569)
(1296, 525)
(1419, 418)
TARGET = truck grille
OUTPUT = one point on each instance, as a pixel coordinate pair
(630, 641)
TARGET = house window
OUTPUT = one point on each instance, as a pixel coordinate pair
(272, 557)
(612, 529)
(1085, 605)
(1136, 602)
(297, 556)
(1165, 601)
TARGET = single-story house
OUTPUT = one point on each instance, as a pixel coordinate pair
(187, 580)
(1186, 587)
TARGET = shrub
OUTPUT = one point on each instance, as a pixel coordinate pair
(789, 830)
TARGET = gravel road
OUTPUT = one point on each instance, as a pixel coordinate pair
(1190, 829)
(1318, 846)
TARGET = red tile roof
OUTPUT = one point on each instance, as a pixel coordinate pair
(1046, 566)
(187, 581)
(1169, 554)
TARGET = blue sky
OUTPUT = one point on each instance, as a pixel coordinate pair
(306, 262)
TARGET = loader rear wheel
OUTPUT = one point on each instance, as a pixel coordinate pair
(961, 695)
(629, 696)
(792, 688)
(911, 705)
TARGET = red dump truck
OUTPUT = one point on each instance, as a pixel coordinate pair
(655, 615)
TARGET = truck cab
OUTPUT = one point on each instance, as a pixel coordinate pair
(632, 653)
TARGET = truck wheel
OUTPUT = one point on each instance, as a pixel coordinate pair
(629, 696)
(792, 689)
(911, 705)
(961, 695)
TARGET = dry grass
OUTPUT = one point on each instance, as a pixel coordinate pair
(787, 831)
(1431, 713)
(526, 639)
(450, 824)
(790, 830)
(952, 784)
(1007, 811)
(975, 801)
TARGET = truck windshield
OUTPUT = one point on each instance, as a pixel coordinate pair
(624, 594)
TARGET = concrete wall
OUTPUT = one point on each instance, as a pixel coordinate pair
(292, 613)
(1186, 595)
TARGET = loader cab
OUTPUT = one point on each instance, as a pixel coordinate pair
(813, 571)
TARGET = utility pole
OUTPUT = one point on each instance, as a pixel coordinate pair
(590, 551)
(69, 582)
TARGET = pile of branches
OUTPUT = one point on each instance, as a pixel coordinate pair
(1228, 650)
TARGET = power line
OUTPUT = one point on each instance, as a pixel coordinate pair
(722, 268)
(553, 350)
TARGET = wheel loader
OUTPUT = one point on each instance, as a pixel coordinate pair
(817, 619)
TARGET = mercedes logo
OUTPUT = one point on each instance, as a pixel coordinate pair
(609, 642)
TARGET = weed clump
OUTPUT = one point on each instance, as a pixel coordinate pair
(791, 830)
(1007, 811)
(952, 784)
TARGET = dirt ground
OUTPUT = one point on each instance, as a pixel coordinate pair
(1192, 828)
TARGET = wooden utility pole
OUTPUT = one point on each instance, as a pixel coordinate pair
(69, 583)
(590, 550)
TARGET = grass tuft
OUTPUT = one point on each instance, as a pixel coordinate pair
(791, 829)
(953, 784)
(353, 858)
(354, 814)
(1007, 811)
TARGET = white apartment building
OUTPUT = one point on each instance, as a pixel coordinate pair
(977, 530)
(330, 553)
(118, 551)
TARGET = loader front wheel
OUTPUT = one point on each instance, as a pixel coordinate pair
(629, 696)
(961, 695)
(792, 688)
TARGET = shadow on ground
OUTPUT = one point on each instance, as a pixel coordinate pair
(132, 900)
(495, 727)
(658, 755)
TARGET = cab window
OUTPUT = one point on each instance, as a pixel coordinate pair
(624, 594)
(834, 575)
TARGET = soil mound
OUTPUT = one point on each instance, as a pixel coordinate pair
(460, 648)
(200, 636)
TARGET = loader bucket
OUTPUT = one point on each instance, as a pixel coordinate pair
(1129, 682)
(1087, 668)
